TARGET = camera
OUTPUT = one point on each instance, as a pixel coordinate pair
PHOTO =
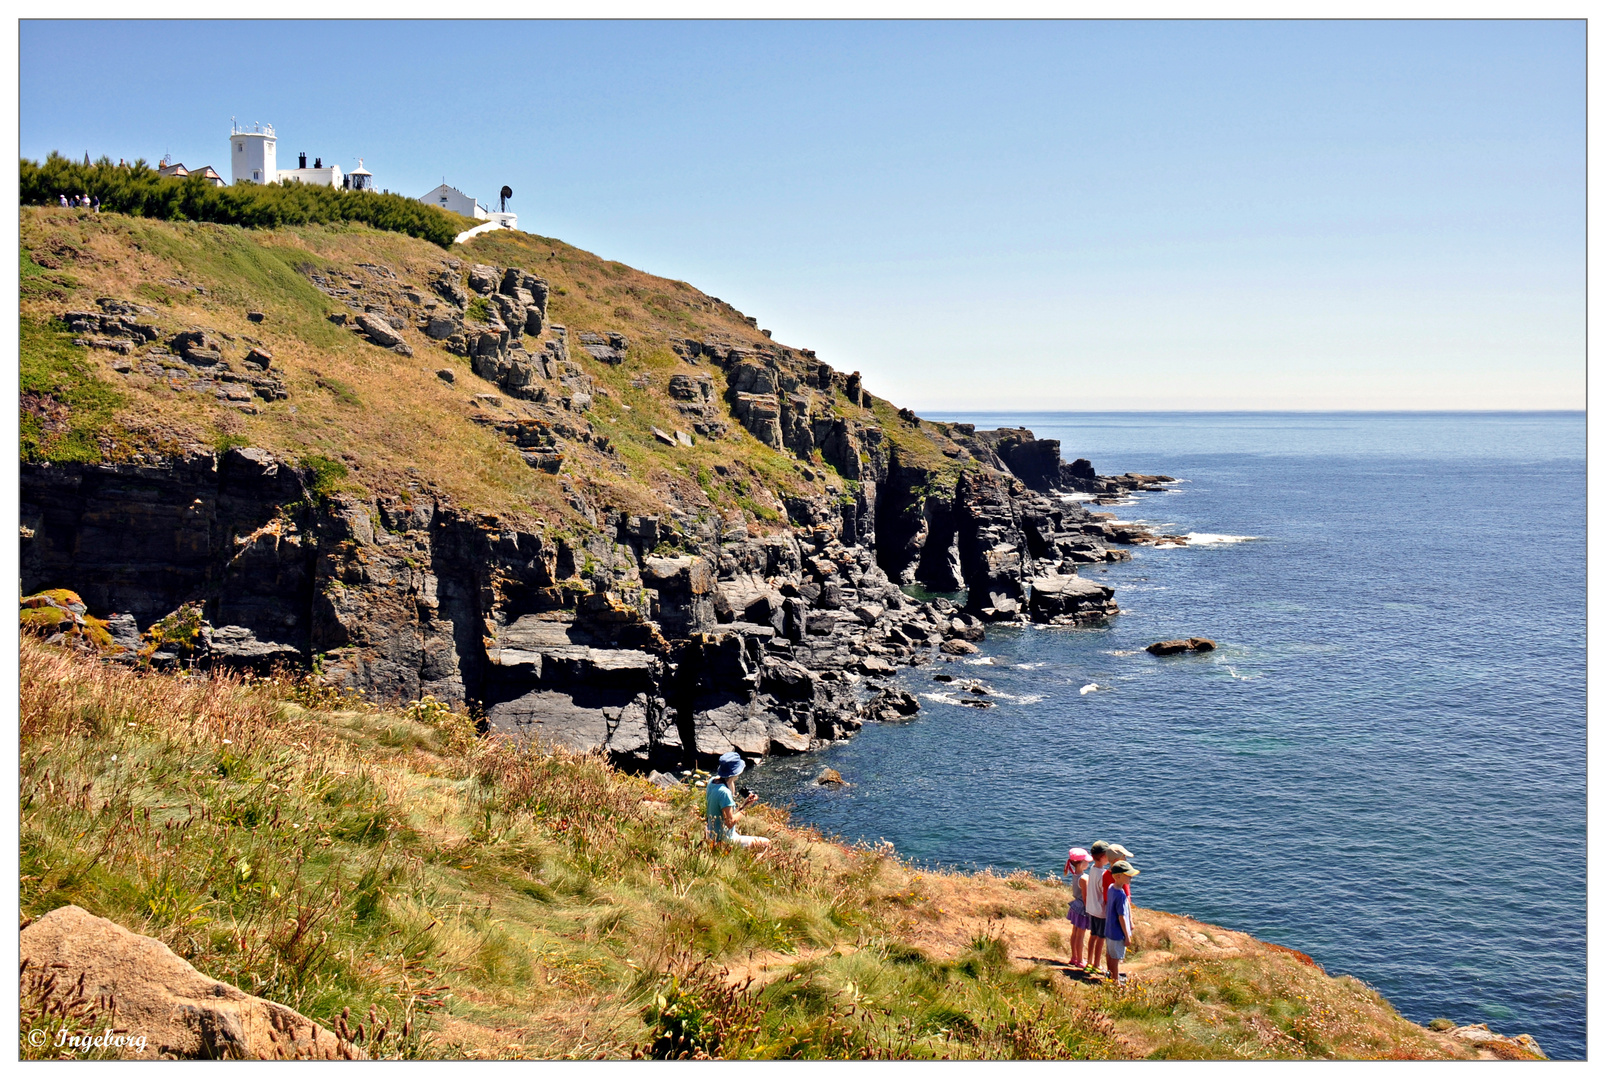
(744, 790)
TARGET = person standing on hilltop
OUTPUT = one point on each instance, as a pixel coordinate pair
(1107, 881)
(1117, 852)
(1118, 931)
(1076, 864)
(722, 808)
(1094, 899)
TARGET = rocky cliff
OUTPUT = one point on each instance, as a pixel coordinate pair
(756, 609)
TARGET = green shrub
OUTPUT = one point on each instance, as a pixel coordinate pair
(326, 474)
(141, 191)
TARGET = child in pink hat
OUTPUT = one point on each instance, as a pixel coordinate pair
(1076, 867)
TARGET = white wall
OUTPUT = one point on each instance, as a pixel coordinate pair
(253, 158)
(328, 176)
(449, 198)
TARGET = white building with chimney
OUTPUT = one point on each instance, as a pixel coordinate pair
(254, 156)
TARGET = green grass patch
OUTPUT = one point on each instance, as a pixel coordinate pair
(66, 408)
(325, 474)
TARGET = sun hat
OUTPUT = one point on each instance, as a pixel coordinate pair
(730, 765)
(1079, 855)
(1124, 867)
(1121, 851)
(1099, 848)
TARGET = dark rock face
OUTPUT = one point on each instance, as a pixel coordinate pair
(766, 645)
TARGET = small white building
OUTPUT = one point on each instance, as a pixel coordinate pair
(449, 198)
(320, 174)
(253, 155)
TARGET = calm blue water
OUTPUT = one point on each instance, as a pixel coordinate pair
(1383, 765)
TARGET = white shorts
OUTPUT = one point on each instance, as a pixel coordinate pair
(747, 841)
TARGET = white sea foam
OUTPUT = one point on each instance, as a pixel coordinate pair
(1028, 667)
(1213, 539)
(977, 660)
(1123, 652)
(1017, 699)
(1089, 688)
(941, 699)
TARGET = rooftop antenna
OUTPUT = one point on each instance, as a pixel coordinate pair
(507, 193)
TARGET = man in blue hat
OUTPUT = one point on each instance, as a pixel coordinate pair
(722, 810)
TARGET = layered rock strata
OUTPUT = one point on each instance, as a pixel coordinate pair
(663, 640)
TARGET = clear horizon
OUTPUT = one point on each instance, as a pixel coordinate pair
(1149, 216)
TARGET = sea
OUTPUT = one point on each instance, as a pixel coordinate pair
(1382, 764)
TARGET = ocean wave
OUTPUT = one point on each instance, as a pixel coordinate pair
(976, 661)
(941, 699)
(1089, 688)
(1029, 667)
(1215, 539)
(1016, 699)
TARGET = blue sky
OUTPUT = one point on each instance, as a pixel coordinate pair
(1083, 215)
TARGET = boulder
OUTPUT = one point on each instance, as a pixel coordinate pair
(1067, 598)
(238, 647)
(439, 327)
(260, 359)
(179, 1012)
(1179, 645)
(604, 348)
(378, 329)
(198, 347)
(958, 647)
(686, 388)
(1518, 1048)
(830, 778)
(484, 279)
(892, 705)
(446, 374)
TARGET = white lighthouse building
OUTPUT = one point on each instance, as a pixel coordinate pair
(254, 154)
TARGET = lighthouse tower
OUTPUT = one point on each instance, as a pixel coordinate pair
(253, 153)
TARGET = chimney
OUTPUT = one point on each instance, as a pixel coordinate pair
(317, 163)
(303, 164)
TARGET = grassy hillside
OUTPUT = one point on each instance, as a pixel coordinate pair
(386, 417)
(484, 899)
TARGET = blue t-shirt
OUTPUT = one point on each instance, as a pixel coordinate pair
(719, 797)
(1114, 912)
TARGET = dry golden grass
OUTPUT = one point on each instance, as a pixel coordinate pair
(505, 900)
(406, 423)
